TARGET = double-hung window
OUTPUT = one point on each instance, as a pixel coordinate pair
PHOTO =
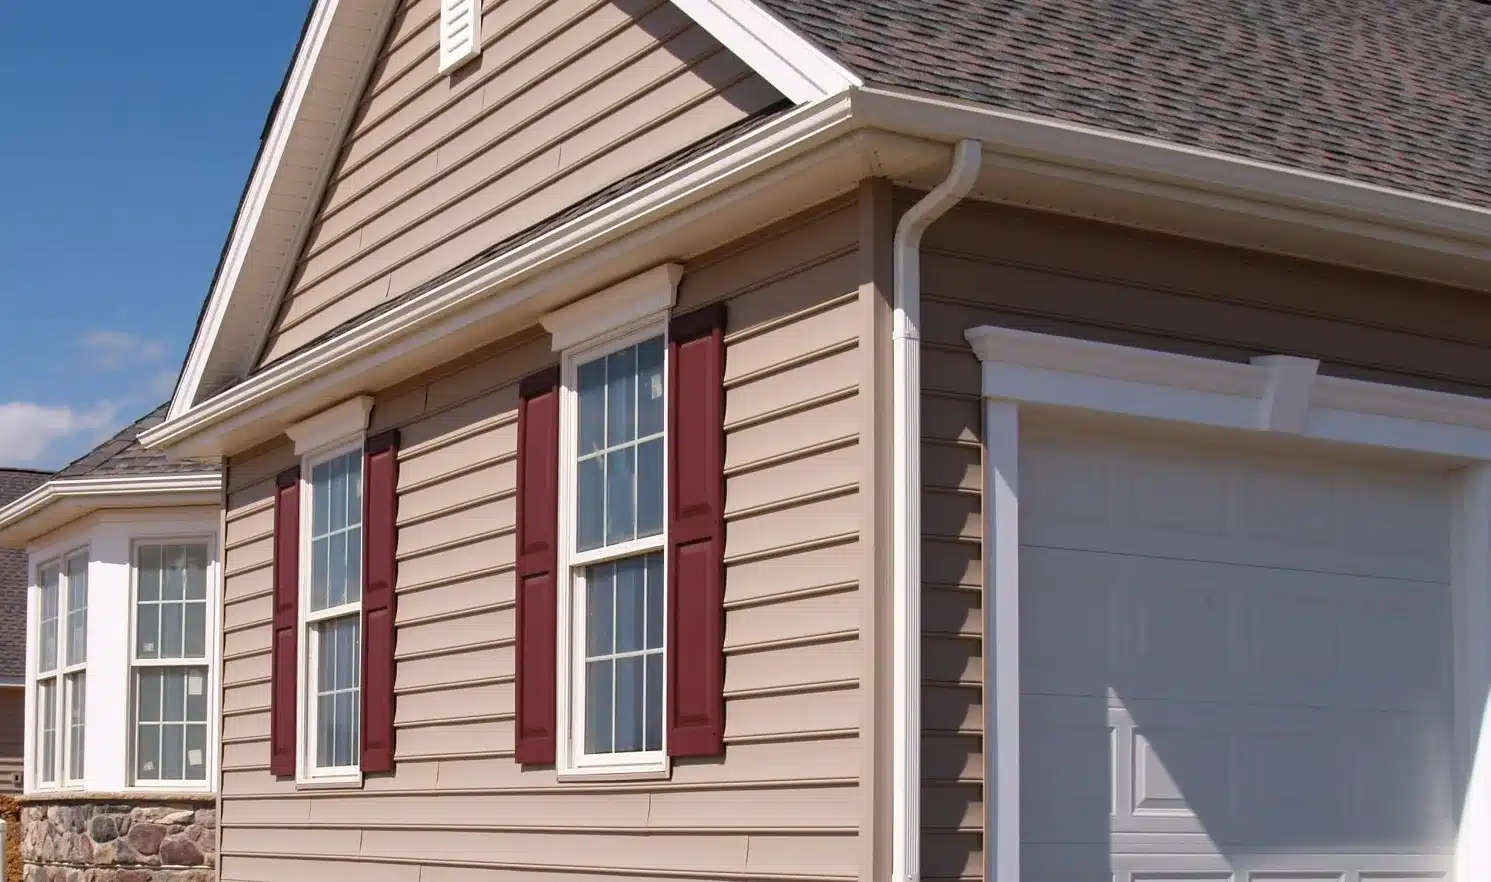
(332, 619)
(170, 667)
(62, 656)
(612, 425)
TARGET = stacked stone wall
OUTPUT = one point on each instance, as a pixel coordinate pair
(113, 838)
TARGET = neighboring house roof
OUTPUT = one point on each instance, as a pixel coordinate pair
(1395, 93)
(123, 455)
(14, 483)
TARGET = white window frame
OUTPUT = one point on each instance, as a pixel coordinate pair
(307, 669)
(571, 757)
(60, 677)
(208, 663)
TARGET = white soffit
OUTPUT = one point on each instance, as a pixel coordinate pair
(781, 55)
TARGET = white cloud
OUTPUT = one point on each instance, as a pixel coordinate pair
(29, 432)
(118, 350)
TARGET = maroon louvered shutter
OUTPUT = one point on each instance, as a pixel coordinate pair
(538, 560)
(380, 502)
(696, 533)
(282, 684)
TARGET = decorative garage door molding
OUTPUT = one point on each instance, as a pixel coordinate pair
(1274, 394)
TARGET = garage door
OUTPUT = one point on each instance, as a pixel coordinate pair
(1236, 666)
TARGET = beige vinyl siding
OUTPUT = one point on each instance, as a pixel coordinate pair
(567, 97)
(785, 802)
(1022, 269)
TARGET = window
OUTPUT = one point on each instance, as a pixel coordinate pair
(332, 600)
(62, 656)
(612, 426)
(170, 664)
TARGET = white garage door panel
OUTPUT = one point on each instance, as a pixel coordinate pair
(1234, 667)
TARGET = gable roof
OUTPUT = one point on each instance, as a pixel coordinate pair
(14, 483)
(1387, 93)
(123, 455)
(1395, 93)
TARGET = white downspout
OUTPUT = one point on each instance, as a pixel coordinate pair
(906, 507)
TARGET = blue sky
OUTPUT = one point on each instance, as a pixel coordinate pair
(127, 131)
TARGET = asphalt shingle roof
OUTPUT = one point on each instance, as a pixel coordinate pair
(14, 483)
(123, 455)
(1395, 93)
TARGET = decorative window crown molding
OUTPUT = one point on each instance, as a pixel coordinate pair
(644, 295)
(1273, 393)
(331, 426)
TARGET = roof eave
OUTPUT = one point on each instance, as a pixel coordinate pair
(59, 502)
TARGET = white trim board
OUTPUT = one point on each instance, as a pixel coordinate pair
(1276, 396)
(771, 48)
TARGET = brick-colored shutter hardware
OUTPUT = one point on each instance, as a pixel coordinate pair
(696, 533)
(538, 560)
(282, 688)
(380, 507)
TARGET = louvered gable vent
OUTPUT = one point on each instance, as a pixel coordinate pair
(460, 32)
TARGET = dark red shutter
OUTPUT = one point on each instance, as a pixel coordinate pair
(282, 683)
(538, 560)
(696, 533)
(380, 505)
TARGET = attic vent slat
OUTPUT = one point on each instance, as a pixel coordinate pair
(460, 32)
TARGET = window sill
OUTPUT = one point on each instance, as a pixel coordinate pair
(622, 774)
(330, 782)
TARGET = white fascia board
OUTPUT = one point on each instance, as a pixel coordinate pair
(1190, 174)
(498, 284)
(781, 55)
(59, 501)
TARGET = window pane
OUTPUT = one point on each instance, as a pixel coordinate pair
(148, 572)
(345, 735)
(77, 703)
(46, 701)
(325, 722)
(591, 517)
(631, 593)
(650, 390)
(147, 631)
(336, 493)
(654, 601)
(196, 753)
(320, 565)
(173, 687)
(196, 572)
(173, 583)
(50, 585)
(353, 579)
(650, 488)
(354, 488)
(196, 696)
(320, 502)
(171, 630)
(348, 669)
(621, 396)
(621, 499)
(598, 711)
(629, 704)
(172, 751)
(148, 697)
(654, 718)
(592, 403)
(336, 580)
(77, 636)
(147, 753)
(598, 609)
(196, 629)
(77, 609)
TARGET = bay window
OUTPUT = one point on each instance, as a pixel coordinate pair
(170, 664)
(61, 669)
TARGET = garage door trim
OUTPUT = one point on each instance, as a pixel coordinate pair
(1273, 395)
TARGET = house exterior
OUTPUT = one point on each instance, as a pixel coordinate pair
(118, 554)
(13, 580)
(736, 440)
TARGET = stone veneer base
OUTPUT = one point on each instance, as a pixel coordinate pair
(118, 837)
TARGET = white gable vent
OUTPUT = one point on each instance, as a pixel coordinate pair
(460, 32)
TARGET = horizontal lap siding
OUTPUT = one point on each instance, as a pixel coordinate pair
(785, 800)
(1001, 266)
(566, 98)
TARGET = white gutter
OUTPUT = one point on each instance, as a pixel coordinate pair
(906, 508)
